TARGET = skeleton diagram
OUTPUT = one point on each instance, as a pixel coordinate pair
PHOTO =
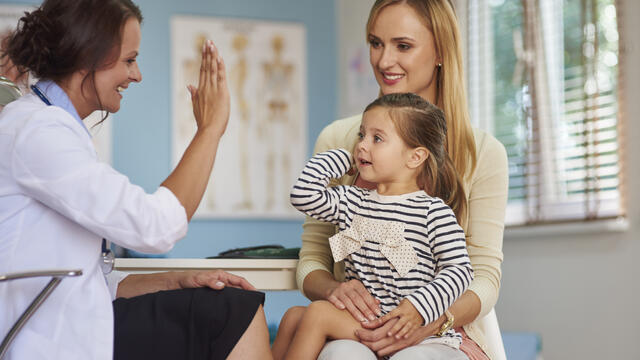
(238, 77)
(277, 127)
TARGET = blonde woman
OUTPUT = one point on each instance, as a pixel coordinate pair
(415, 47)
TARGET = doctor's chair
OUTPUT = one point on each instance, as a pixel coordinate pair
(56, 278)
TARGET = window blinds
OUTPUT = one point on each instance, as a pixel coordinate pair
(546, 73)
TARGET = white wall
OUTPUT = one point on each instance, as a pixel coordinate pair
(581, 292)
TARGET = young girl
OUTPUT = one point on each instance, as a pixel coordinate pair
(403, 244)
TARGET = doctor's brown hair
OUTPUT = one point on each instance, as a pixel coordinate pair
(421, 124)
(64, 36)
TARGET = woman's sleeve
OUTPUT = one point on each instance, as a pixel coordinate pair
(55, 164)
(487, 205)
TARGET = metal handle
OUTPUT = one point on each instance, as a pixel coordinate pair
(8, 91)
(58, 275)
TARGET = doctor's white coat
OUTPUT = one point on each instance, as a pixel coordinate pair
(57, 202)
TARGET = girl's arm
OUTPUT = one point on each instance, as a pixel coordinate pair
(453, 268)
(310, 193)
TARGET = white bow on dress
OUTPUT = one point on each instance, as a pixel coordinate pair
(389, 234)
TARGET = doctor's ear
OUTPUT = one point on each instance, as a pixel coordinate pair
(417, 157)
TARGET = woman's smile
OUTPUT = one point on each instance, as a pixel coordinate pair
(391, 78)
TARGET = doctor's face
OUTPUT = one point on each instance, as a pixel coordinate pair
(112, 81)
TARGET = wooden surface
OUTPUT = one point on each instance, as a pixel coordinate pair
(265, 274)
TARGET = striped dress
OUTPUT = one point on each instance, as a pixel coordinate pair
(425, 261)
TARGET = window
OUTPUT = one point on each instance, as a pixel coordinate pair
(543, 78)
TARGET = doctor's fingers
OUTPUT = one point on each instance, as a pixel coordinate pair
(222, 73)
(239, 282)
(235, 281)
(206, 53)
(209, 54)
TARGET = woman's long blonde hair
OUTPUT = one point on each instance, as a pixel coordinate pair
(451, 95)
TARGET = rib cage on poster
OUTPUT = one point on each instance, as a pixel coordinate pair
(264, 146)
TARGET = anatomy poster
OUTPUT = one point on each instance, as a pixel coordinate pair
(264, 146)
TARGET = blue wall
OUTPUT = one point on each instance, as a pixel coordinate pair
(142, 137)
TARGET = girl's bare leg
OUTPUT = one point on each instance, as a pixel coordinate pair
(254, 343)
(321, 321)
(286, 331)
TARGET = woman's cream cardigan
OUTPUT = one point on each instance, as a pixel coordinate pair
(486, 191)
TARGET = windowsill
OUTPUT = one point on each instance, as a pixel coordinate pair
(620, 224)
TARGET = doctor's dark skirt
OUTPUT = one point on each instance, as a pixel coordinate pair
(188, 324)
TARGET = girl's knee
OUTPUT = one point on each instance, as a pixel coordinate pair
(294, 313)
(320, 306)
(292, 317)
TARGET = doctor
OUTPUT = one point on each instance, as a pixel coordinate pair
(57, 203)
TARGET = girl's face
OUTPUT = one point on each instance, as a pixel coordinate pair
(110, 82)
(402, 52)
(381, 154)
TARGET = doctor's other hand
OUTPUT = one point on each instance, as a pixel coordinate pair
(215, 279)
(211, 98)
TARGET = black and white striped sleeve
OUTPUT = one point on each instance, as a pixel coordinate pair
(453, 272)
(310, 193)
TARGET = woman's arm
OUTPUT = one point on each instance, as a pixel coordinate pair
(211, 109)
(488, 193)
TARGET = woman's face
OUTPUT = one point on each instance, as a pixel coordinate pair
(112, 81)
(402, 52)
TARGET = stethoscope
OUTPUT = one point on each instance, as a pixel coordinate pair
(108, 259)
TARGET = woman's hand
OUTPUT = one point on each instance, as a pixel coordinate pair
(355, 298)
(375, 336)
(409, 319)
(215, 279)
(211, 98)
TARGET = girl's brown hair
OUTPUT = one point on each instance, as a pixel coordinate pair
(421, 124)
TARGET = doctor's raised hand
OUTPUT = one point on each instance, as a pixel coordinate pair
(211, 110)
(211, 98)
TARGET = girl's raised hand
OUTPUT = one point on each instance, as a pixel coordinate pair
(211, 98)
